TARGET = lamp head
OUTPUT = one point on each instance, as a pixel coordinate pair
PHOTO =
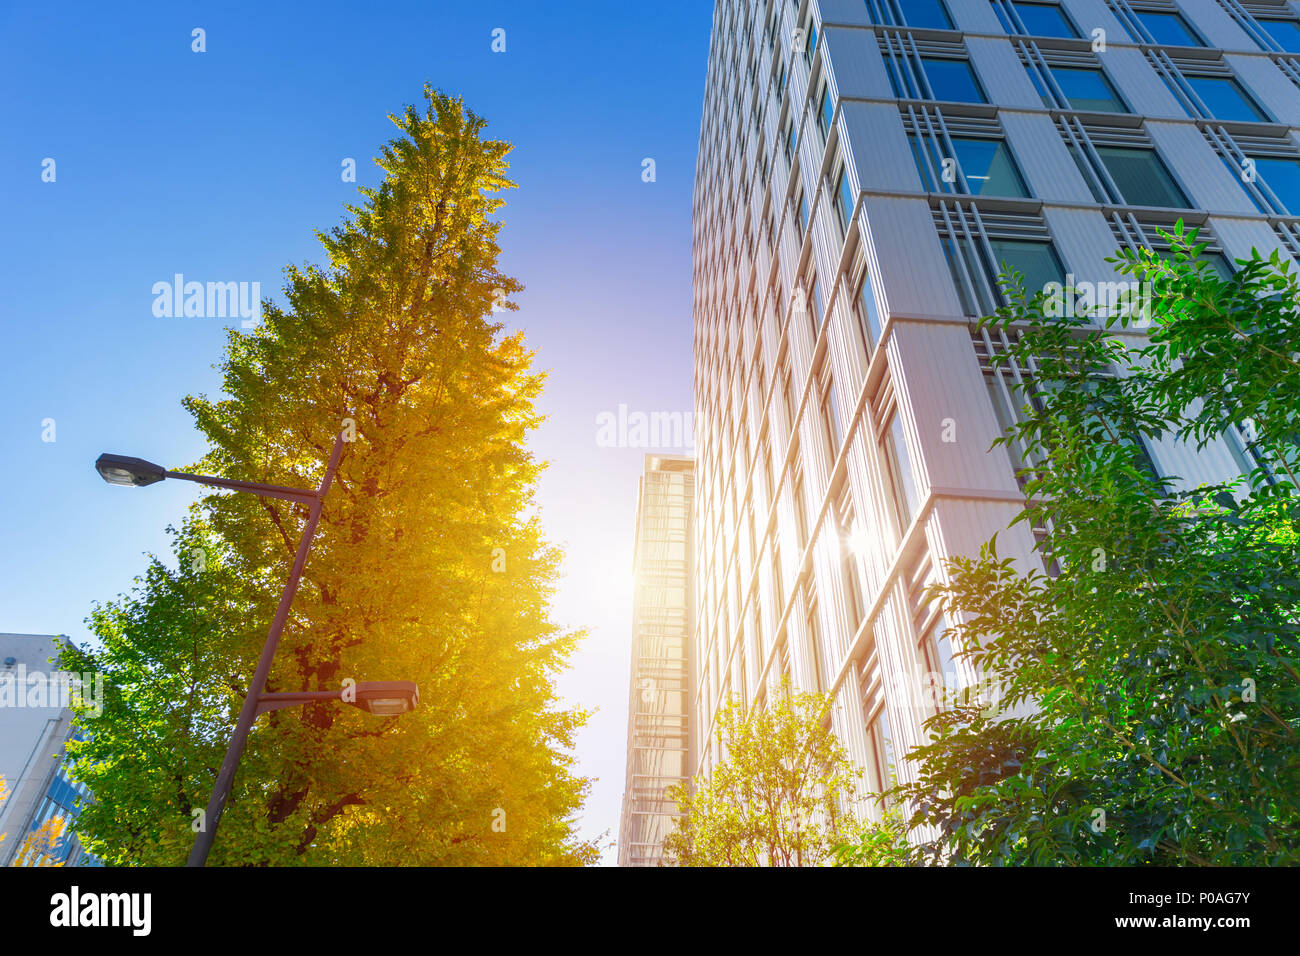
(387, 698)
(122, 470)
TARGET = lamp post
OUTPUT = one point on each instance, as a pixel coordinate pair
(382, 698)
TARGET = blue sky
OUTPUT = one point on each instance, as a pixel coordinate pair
(219, 165)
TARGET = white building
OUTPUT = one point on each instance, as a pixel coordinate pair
(35, 723)
(865, 166)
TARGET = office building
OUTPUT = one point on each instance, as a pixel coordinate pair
(865, 167)
(658, 696)
(35, 724)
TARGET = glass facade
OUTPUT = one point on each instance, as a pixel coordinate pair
(840, 458)
(658, 698)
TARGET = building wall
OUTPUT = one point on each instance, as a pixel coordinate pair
(31, 749)
(658, 751)
(835, 344)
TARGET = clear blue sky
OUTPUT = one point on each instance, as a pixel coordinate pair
(220, 165)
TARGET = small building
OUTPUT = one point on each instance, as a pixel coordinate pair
(36, 723)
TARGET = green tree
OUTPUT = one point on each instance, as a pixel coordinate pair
(779, 797)
(428, 565)
(1150, 672)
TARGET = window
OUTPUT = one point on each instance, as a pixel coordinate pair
(830, 409)
(898, 472)
(844, 527)
(977, 241)
(765, 459)
(800, 505)
(1036, 261)
(787, 396)
(934, 652)
(1087, 90)
(1036, 19)
(1145, 461)
(1285, 33)
(1282, 176)
(810, 42)
(927, 14)
(801, 203)
(983, 167)
(880, 770)
(1141, 177)
(778, 586)
(864, 304)
(847, 201)
(1006, 422)
(813, 301)
(827, 112)
(1089, 176)
(1169, 29)
(814, 636)
(952, 80)
(988, 168)
(1226, 100)
(1219, 264)
(935, 647)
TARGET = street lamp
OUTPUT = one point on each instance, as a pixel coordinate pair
(383, 698)
(380, 698)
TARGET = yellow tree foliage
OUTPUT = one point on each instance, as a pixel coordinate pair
(40, 847)
(782, 796)
(428, 565)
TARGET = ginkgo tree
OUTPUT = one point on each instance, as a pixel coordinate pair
(429, 564)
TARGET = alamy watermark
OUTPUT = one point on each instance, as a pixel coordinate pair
(208, 300)
(634, 429)
(1103, 300)
(39, 689)
(936, 691)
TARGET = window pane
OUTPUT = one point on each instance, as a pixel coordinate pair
(831, 416)
(1169, 28)
(1225, 99)
(963, 262)
(953, 81)
(828, 111)
(904, 479)
(1003, 415)
(846, 199)
(939, 642)
(1043, 20)
(922, 166)
(988, 168)
(1036, 261)
(1141, 177)
(1283, 177)
(1286, 33)
(1088, 90)
(868, 313)
(1218, 264)
(1086, 172)
(927, 14)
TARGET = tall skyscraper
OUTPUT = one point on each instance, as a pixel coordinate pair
(864, 170)
(658, 744)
